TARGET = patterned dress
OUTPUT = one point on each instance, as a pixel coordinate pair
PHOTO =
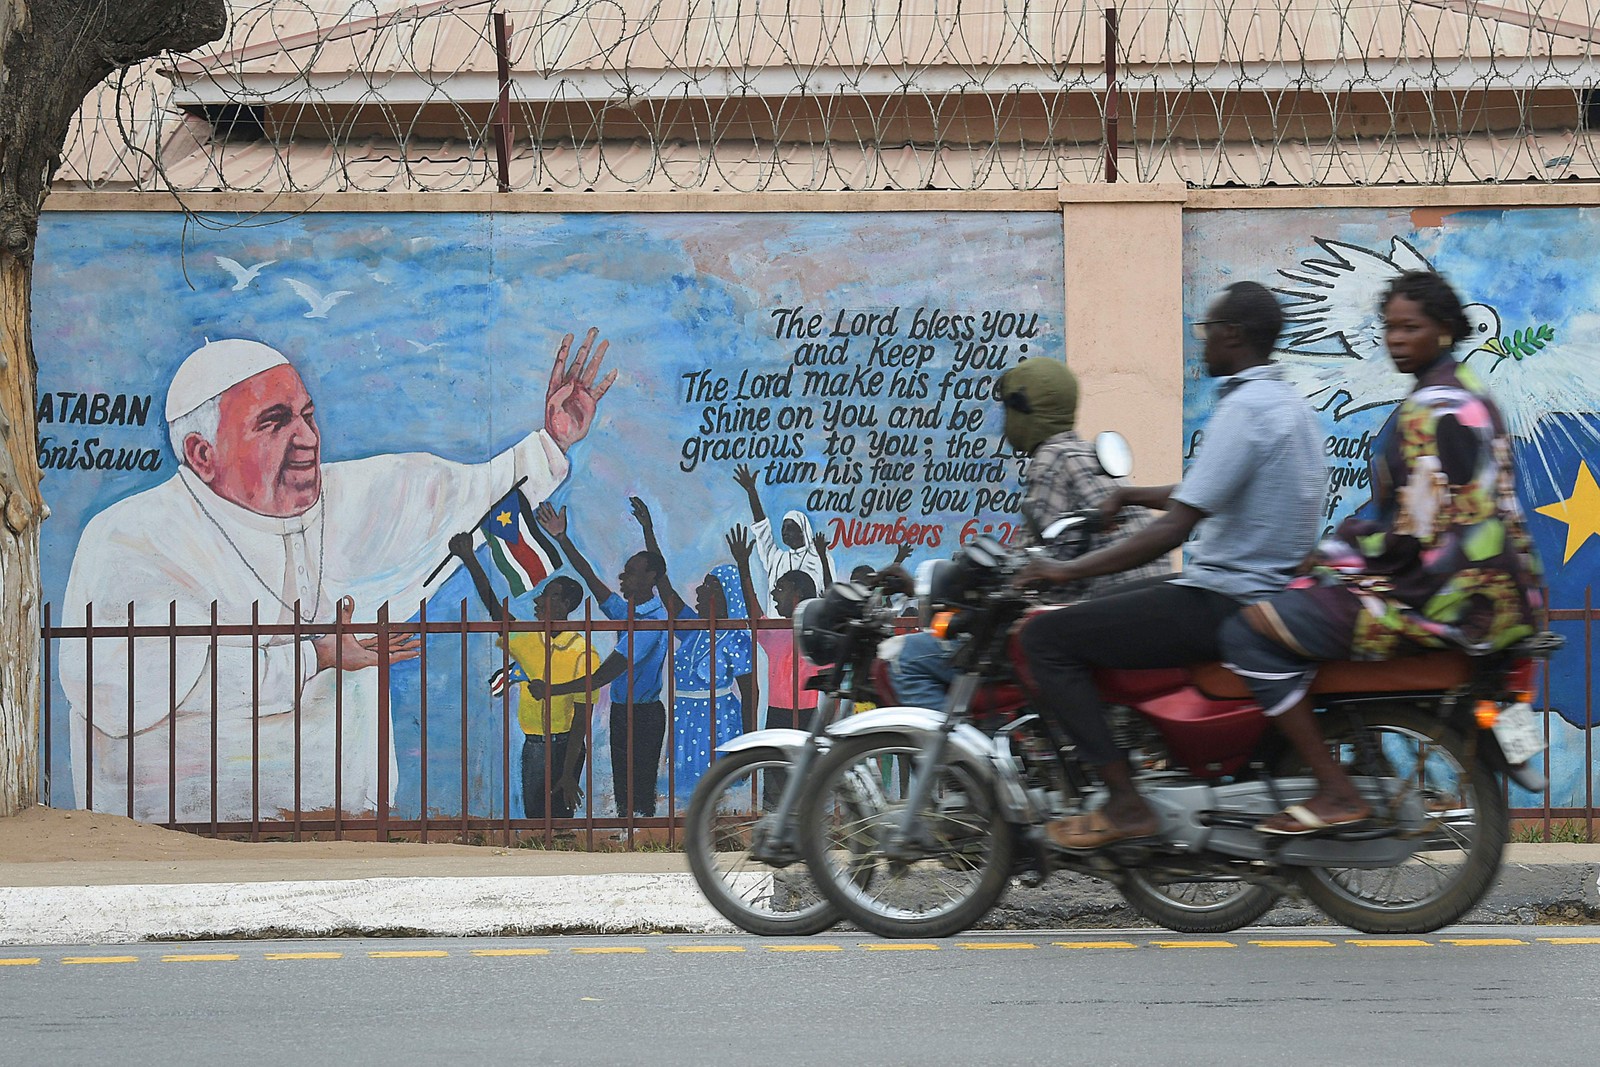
(1447, 560)
(705, 685)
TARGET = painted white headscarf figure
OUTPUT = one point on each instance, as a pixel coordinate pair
(791, 547)
(255, 519)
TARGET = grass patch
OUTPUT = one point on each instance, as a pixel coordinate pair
(1562, 832)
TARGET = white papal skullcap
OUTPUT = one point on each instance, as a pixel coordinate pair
(215, 368)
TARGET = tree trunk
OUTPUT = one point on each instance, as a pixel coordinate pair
(52, 54)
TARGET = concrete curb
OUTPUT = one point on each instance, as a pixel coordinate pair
(374, 907)
(1553, 893)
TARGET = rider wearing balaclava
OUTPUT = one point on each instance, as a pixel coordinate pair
(1041, 400)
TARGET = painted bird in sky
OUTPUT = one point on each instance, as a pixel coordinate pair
(1334, 351)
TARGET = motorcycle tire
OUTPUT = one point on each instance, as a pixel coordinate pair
(1212, 907)
(853, 796)
(1467, 821)
(725, 811)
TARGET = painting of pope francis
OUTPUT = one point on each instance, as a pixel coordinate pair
(254, 520)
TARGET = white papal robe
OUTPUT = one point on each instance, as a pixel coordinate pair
(380, 527)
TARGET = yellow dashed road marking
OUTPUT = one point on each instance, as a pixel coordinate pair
(1467, 942)
(631, 950)
(20, 961)
(894, 946)
(1194, 944)
(1571, 940)
(804, 948)
(996, 944)
(1294, 944)
(100, 959)
(707, 948)
(432, 953)
(1094, 944)
(216, 957)
(511, 952)
(305, 955)
(1363, 942)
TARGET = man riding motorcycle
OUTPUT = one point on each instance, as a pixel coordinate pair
(1063, 475)
(1255, 492)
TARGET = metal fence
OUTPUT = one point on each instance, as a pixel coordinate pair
(463, 804)
(472, 800)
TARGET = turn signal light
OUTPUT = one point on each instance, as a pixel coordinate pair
(1523, 698)
(1488, 713)
(940, 626)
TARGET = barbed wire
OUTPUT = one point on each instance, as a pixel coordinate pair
(380, 95)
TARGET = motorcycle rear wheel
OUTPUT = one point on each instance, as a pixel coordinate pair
(725, 815)
(1466, 830)
(855, 798)
(1197, 905)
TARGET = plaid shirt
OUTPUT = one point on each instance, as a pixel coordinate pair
(1064, 476)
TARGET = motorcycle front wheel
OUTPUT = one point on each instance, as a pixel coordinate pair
(1195, 904)
(1465, 825)
(730, 811)
(854, 806)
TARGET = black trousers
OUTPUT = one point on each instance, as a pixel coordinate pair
(535, 785)
(636, 790)
(1149, 624)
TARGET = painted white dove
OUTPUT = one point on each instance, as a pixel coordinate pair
(320, 304)
(242, 275)
(1333, 329)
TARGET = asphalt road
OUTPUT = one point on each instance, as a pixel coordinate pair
(1486, 995)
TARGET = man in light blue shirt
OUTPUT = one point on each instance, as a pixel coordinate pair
(1255, 492)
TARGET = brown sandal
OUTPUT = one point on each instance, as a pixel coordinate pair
(1302, 821)
(1082, 832)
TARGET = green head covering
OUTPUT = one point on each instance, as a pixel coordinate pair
(1041, 399)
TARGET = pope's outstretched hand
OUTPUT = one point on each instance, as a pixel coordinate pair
(351, 653)
(570, 402)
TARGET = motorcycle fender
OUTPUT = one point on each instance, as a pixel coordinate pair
(968, 745)
(787, 741)
(967, 741)
(897, 720)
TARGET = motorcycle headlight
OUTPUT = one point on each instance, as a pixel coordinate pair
(819, 624)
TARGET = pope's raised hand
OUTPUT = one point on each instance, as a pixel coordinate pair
(569, 404)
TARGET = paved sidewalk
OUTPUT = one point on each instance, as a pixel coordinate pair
(412, 890)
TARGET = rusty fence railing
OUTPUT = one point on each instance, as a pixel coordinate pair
(458, 776)
(103, 728)
(1548, 820)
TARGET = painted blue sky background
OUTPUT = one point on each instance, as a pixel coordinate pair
(445, 341)
(1532, 266)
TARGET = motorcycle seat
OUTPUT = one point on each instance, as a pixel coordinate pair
(1426, 672)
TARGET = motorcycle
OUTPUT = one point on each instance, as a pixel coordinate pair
(741, 832)
(916, 820)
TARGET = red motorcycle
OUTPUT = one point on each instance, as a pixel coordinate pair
(916, 819)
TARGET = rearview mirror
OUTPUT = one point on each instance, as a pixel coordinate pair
(1112, 451)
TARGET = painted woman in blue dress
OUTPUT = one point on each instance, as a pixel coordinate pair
(712, 679)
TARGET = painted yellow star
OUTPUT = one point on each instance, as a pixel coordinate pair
(1580, 511)
(504, 518)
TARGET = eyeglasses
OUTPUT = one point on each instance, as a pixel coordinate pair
(1198, 329)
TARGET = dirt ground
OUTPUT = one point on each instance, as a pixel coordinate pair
(50, 835)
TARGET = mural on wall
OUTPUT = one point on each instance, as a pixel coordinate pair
(587, 415)
(1530, 282)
